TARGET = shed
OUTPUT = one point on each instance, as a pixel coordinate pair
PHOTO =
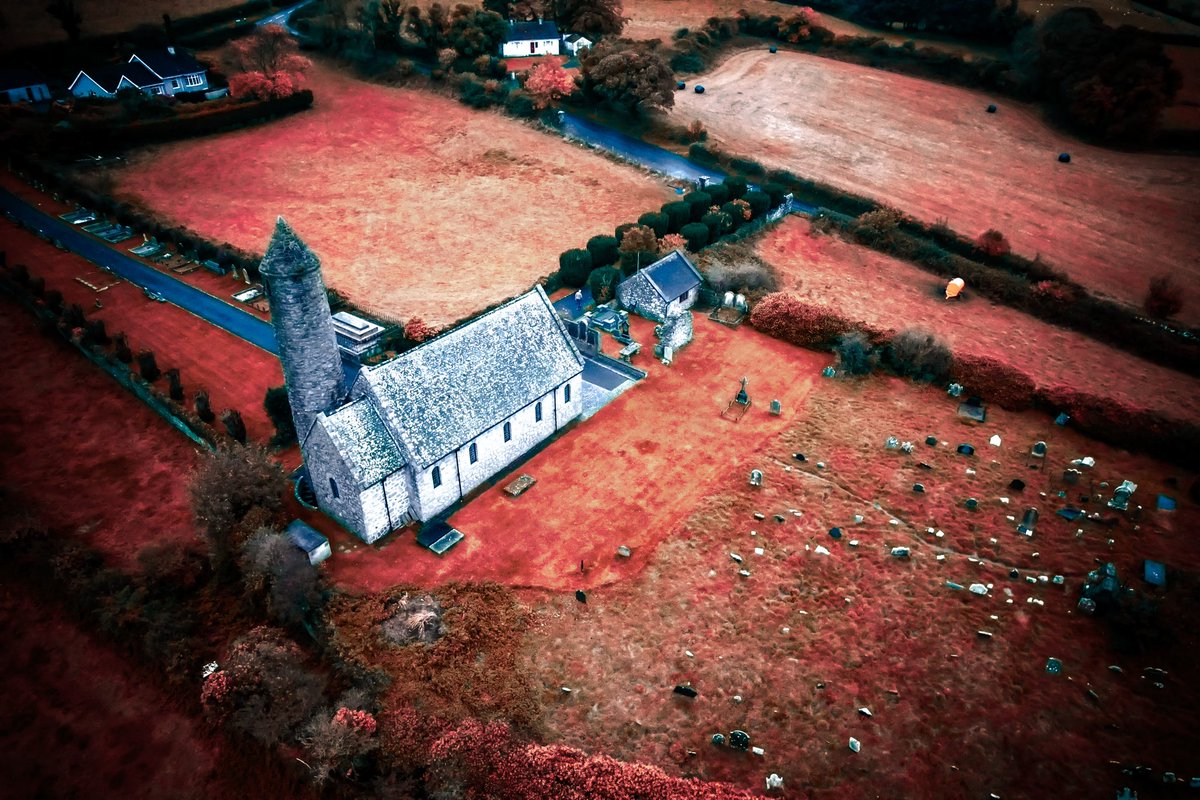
(308, 539)
(574, 42)
(532, 38)
(663, 289)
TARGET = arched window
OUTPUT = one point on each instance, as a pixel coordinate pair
(333, 488)
(567, 393)
(537, 412)
(473, 452)
(508, 431)
(437, 477)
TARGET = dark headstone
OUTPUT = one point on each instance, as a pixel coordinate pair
(686, 691)
(739, 740)
(699, 89)
(800, 456)
(1062, 419)
(779, 517)
(773, 49)
(965, 450)
(1064, 158)
(974, 402)
(580, 595)
(931, 441)
(991, 109)
(1014, 574)
(919, 488)
(923, 465)
(971, 504)
(1016, 484)
(836, 533)
(680, 85)
(718, 739)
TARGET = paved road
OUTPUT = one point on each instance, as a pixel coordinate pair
(284, 18)
(648, 155)
(235, 320)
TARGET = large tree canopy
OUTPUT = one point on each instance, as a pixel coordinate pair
(628, 78)
(595, 17)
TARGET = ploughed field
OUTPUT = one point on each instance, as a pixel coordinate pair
(415, 204)
(1109, 219)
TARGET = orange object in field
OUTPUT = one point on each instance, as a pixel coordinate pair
(954, 287)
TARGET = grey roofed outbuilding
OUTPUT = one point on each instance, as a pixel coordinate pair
(304, 536)
(441, 394)
(672, 276)
(531, 31)
(363, 440)
(166, 64)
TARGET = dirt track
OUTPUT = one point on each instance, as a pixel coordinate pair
(1109, 219)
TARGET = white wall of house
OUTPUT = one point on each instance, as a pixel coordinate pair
(320, 554)
(684, 303)
(530, 47)
(567, 410)
(494, 454)
(196, 82)
(574, 47)
(384, 506)
(428, 500)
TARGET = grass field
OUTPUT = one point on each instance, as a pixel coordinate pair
(416, 205)
(790, 652)
(29, 24)
(854, 280)
(1109, 219)
(613, 480)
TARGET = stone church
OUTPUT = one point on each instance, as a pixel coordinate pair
(411, 436)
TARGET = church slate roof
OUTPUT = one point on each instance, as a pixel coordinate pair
(363, 441)
(440, 395)
(672, 275)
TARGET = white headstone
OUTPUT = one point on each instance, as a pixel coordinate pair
(995, 440)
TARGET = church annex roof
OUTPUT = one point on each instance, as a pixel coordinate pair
(440, 395)
(672, 275)
(363, 441)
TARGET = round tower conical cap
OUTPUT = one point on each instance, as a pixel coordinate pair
(286, 254)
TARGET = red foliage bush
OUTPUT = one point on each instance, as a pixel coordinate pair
(417, 330)
(994, 381)
(993, 243)
(261, 86)
(788, 317)
(1164, 297)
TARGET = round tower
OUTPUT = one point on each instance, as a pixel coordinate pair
(312, 365)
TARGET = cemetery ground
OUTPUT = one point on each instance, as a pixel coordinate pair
(83, 452)
(629, 475)
(416, 204)
(790, 652)
(235, 373)
(1109, 219)
(866, 286)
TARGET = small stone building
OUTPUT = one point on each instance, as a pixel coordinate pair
(663, 289)
(415, 434)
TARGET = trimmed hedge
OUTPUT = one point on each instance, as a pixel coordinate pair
(678, 214)
(1002, 384)
(574, 266)
(697, 235)
(603, 250)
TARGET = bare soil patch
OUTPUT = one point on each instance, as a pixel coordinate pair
(630, 475)
(92, 458)
(1108, 219)
(416, 205)
(29, 24)
(888, 293)
(790, 652)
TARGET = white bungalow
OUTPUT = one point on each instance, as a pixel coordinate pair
(164, 72)
(538, 38)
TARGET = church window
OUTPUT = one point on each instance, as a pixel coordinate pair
(437, 477)
(537, 412)
(473, 452)
(333, 488)
(508, 431)
(567, 393)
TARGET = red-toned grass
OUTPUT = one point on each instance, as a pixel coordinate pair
(235, 373)
(93, 459)
(1109, 219)
(969, 715)
(78, 723)
(887, 293)
(416, 205)
(628, 476)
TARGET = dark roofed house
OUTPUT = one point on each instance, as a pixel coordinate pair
(417, 433)
(162, 72)
(23, 86)
(538, 38)
(663, 289)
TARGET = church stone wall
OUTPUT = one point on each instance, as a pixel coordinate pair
(324, 462)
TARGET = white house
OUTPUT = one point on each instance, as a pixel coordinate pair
(161, 72)
(22, 86)
(574, 42)
(538, 38)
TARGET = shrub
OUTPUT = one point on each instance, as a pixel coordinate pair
(234, 425)
(747, 166)
(736, 185)
(415, 330)
(698, 204)
(855, 355)
(1164, 297)
(638, 248)
(678, 215)
(760, 202)
(919, 354)
(736, 268)
(739, 211)
(701, 154)
(689, 61)
(603, 283)
(696, 234)
(279, 409)
(622, 229)
(121, 348)
(73, 317)
(147, 366)
(696, 131)
(603, 250)
(174, 385)
(718, 224)
(992, 242)
(788, 317)
(37, 286)
(204, 407)
(994, 380)
(656, 221)
(96, 332)
(670, 243)
(53, 300)
(574, 266)
(520, 103)
(776, 191)
(719, 193)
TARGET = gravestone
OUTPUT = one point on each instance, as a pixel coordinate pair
(965, 450)
(718, 739)
(835, 533)
(919, 488)
(581, 596)
(685, 691)
(1016, 484)
(776, 407)
(739, 740)
(1054, 666)
(971, 504)
(931, 441)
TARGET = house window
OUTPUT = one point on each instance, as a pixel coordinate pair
(156, 89)
(473, 453)
(333, 488)
(537, 412)
(567, 393)
(437, 477)
(684, 296)
(508, 431)
(194, 80)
